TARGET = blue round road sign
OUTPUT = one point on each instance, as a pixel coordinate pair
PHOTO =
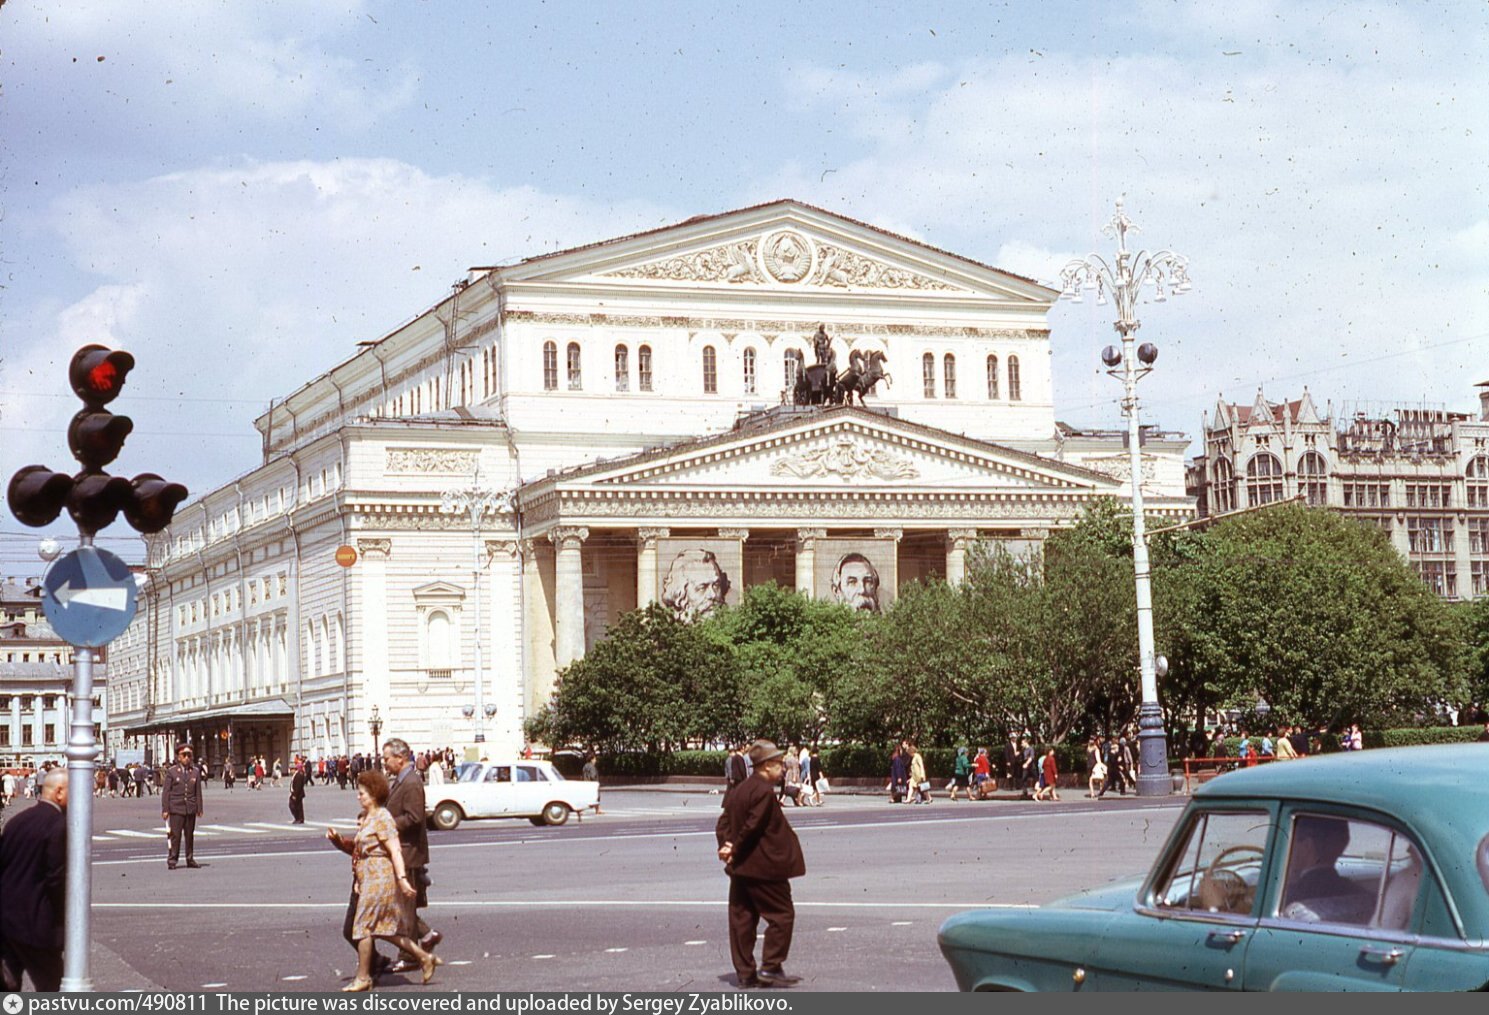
(89, 596)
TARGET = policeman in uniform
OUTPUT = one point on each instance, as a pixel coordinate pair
(181, 805)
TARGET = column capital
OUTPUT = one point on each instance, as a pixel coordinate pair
(568, 536)
(529, 548)
(652, 535)
(376, 549)
(895, 534)
(1039, 534)
(739, 534)
(807, 535)
(960, 539)
(503, 547)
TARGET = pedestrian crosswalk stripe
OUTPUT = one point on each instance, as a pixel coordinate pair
(232, 828)
(133, 834)
(258, 825)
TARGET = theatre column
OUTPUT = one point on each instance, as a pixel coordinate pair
(372, 595)
(646, 565)
(568, 581)
(957, 541)
(806, 558)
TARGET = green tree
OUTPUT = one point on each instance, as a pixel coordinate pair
(653, 684)
(791, 651)
(1318, 615)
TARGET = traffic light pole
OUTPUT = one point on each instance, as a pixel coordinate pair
(82, 749)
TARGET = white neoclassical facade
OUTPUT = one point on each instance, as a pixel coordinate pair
(628, 404)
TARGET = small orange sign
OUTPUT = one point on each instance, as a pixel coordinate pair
(346, 556)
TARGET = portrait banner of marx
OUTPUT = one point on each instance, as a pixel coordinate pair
(861, 573)
(696, 576)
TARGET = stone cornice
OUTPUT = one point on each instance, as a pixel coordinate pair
(846, 330)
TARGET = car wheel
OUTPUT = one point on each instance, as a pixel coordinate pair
(446, 816)
(556, 813)
(538, 821)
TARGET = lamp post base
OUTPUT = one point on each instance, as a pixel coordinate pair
(1152, 770)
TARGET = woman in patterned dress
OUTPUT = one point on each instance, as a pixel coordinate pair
(384, 895)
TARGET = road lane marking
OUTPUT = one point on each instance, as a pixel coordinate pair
(834, 930)
(544, 956)
(232, 828)
(614, 951)
(571, 904)
(902, 923)
(209, 986)
(292, 979)
(695, 942)
(275, 827)
(133, 834)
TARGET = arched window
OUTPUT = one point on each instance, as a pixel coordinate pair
(795, 363)
(749, 371)
(1313, 477)
(1015, 385)
(550, 368)
(1223, 493)
(643, 368)
(948, 375)
(928, 375)
(710, 371)
(992, 378)
(622, 368)
(576, 379)
(437, 631)
(1477, 476)
(1263, 479)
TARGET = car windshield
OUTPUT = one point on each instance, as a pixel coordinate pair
(469, 771)
(1219, 867)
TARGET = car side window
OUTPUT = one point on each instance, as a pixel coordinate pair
(1220, 865)
(1352, 872)
(499, 773)
(527, 773)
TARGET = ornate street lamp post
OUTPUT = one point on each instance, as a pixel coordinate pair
(477, 501)
(1166, 272)
(375, 724)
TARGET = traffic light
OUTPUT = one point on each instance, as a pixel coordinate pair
(152, 502)
(96, 436)
(36, 495)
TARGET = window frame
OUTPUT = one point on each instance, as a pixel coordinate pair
(1178, 846)
(992, 377)
(550, 367)
(710, 370)
(1015, 380)
(928, 376)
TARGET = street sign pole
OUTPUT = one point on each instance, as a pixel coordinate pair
(81, 750)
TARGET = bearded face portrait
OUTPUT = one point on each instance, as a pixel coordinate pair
(855, 583)
(695, 585)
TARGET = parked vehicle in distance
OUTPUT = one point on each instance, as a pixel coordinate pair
(1354, 871)
(508, 789)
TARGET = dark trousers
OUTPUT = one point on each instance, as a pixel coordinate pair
(44, 965)
(297, 809)
(182, 824)
(749, 902)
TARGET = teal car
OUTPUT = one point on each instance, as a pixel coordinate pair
(1359, 871)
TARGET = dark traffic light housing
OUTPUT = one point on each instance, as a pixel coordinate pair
(96, 436)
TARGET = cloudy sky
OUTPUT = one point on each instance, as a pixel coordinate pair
(240, 192)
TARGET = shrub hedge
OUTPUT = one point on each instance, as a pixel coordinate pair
(871, 761)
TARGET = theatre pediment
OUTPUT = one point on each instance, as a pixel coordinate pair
(837, 450)
(784, 245)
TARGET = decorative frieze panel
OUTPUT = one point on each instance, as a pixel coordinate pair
(971, 510)
(783, 257)
(773, 329)
(846, 459)
(1119, 467)
(432, 461)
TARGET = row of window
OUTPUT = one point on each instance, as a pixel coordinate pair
(48, 736)
(224, 602)
(1265, 484)
(794, 364)
(27, 702)
(36, 657)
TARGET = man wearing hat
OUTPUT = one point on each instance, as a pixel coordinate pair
(181, 804)
(761, 854)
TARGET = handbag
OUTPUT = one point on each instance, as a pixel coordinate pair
(925, 787)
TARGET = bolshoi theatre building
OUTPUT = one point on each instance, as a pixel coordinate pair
(450, 516)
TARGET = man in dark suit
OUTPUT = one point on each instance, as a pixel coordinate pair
(181, 804)
(33, 883)
(297, 791)
(406, 804)
(761, 854)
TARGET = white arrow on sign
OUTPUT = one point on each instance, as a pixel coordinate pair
(105, 599)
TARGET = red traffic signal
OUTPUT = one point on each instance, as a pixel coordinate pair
(97, 435)
(97, 373)
(152, 502)
(36, 495)
(96, 499)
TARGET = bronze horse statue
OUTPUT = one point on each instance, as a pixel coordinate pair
(863, 374)
(819, 384)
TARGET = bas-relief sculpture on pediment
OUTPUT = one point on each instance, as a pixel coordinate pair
(783, 257)
(846, 459)
(1119, 467)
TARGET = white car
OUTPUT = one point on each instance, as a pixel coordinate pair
(508, 789)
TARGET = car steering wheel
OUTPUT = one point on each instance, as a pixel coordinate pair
(1224, 891)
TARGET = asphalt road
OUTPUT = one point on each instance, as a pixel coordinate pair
(632, 899)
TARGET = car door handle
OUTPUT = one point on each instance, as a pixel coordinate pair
(1228, 936)
(1383, 956)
